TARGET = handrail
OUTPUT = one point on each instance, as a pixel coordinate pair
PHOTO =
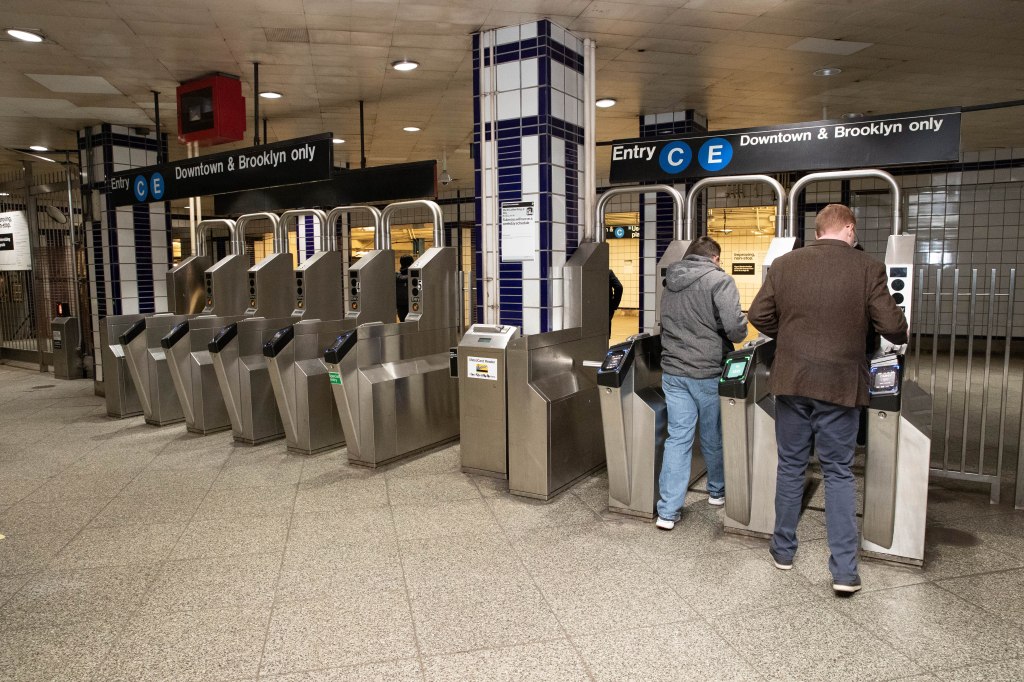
(384, 234)
(302, 213)
(678, 208)
(798, 186)
(780, 197)
(280, 236)
(202, 232)
(329, 236)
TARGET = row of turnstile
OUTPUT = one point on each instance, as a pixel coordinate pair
(248, 352)
(316, 355)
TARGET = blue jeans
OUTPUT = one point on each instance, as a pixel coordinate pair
(831, 430)
(689, 402)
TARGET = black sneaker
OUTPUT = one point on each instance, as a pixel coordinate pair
(846, 588)
(779, 563)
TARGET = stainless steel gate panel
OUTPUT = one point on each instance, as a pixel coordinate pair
(192, 371)
(147, 363)
(119, 392)
(185, 285)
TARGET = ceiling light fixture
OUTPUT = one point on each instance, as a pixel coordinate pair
(605, 102)
(38, 148)
(27, 36)
(338, 140)
(411, 129)
(5, 194)
(270, 94)
(828, 71)
(852, 115)
(404, 65)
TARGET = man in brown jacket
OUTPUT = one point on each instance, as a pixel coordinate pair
(818, 303)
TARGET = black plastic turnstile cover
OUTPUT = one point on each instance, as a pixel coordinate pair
(223, 338)
(176, 334)
(341, 346)
(137, 328)
(278, 341)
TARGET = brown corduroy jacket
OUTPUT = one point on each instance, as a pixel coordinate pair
(818, 303)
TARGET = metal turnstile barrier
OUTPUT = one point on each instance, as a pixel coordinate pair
(228, 286)
(294, 354)
(392, 384)
(896, 471)
(750, 454)
(147, 365)
(482, 370)
(635, 421)
(119, 392)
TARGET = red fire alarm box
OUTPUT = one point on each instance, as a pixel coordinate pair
(211, 110)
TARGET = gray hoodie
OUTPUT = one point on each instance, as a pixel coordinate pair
(700, 316)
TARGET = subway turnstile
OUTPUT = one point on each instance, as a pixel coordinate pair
(294, 354)
(265, 293)
(391, 382)
(635, 420)
(147, 363)
(896, 471)
(483, 399)
(119, 392)
(748, 439)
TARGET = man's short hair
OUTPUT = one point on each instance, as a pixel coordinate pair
(833, 218)
(406, 261)
(704, 246)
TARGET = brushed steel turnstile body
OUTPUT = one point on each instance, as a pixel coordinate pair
(147, 364)
(122, 400)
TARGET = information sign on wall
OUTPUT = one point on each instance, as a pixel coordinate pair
(868, 142)
(743, 268)
(518, 231)
(14, 245)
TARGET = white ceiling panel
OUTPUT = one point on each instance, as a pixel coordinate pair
(74, 83)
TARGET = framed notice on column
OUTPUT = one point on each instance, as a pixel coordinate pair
(519, 237)
(14, 246)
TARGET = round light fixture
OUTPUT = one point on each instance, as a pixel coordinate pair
(411, 129)
(338, 140)
(852, 115)
(605, 102)
(404, 65)
(5, 194)
(270, 94)
(828, 71)
(27, 36)
(38, 148)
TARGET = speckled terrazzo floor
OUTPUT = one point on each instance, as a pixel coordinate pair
(141, 553)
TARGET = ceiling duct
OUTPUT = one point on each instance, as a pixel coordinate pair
(286, 35)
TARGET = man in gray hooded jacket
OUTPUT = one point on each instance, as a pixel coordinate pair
(700, 320)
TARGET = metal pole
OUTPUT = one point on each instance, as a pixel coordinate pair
(949, 374)
(970, 364)
(265, 137)
(256, 103)
(33, 235)
(920, 318)
(74, 256)
(798, 186)
(156, 122)
(362, 137)
(989, 324)
(1007, 342)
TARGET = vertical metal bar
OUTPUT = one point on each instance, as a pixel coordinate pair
(256, 103)
(919, 307)
(362, 136)
(935, 327)
(156, 124)
(74, 255)
(970, 363)
(949, 375)
(989, 325)
(32, 216)
(1011, 296)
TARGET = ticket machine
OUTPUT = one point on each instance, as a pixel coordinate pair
(147, 358)
(263, 290)
(294, 354)
(391, 382)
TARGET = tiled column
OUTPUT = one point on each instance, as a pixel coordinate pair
(656, 209)
(127, 247)
(537, 96)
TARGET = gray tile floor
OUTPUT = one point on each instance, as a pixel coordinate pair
(142, 553)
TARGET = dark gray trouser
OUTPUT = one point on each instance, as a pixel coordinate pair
(831, 430)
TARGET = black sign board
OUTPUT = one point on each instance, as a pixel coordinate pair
(743, 268)
(290, 162)
(7, 242)
(891, 140)
(415, 180)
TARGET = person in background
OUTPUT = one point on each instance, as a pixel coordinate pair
(615, 293)
(701, 319)
(818, 304)
(402, 287)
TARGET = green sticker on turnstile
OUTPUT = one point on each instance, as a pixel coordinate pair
(335, 377)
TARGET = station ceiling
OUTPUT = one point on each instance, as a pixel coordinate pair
(741, 62)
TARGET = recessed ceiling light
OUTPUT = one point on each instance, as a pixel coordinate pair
(5, 194)
(338, 140)
(38, 148)
(828, 71)
(404, 65)
(605, 102)
(411, 129)
(270, 94)
(27, 36)
(852, 115)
